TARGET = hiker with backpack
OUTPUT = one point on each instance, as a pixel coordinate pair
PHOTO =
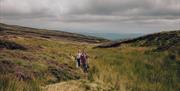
(84, 62)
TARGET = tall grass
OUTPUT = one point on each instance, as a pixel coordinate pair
(122, 69)
(135, 69)
(11, 83)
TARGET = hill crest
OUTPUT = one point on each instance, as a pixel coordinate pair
(44, 33)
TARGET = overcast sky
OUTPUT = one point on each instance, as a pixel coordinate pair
(117, 16)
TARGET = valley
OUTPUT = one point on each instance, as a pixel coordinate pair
(43, 60)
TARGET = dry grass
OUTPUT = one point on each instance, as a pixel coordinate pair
(125, 68)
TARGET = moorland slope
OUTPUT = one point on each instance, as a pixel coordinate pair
(37, 59)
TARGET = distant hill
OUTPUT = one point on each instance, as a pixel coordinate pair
(115, 36)
(162, 40)
(44, 33)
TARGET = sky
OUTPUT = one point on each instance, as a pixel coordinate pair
(95, 16)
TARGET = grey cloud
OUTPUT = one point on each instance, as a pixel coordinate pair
(123, 7)
(92, 11)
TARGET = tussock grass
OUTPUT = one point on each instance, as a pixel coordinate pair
(11, 45)
(12, 83)
(126, 68)
(36, 62)
(135, 69)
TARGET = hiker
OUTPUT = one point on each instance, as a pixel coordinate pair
(78, 60)
(83, 59)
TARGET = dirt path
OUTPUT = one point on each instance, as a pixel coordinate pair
(76, 85)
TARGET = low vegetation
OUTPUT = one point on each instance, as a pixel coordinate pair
(11, 45)
(136, 69)
(48, 65)
(44, 33)
(163, 41)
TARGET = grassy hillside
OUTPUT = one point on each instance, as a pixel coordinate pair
(48, 34)
(163, 41)
(47, 64)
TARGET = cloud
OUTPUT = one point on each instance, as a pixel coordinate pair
(116, 12)
(46, 7)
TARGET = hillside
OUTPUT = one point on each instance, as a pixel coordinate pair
(41, 60)
(44, 33)
(39, 55)
(162, 41)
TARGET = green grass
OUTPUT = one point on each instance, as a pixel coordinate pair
(126, 68)
(36, 61)
(10, 83)
(137, 69)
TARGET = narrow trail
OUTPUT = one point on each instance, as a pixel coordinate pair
(76, 85)
(82, 84)
(73, 85)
